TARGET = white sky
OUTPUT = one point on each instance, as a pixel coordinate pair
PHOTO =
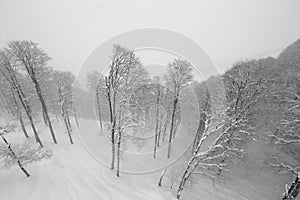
(69, 30)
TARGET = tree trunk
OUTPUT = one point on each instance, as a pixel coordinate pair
(159, 129)
(161, 178)
(64, 112)
(44, 117)
(113, 145)
(99, 111)
(20, 114)
(27, 108)
(155, 145)
(44, 107)
(67, 123)
(68, 130)
(172, 126)
(189, 169)
(293, 191)
(15, 157)
(156, 125)
(200, 129)
(22, 125)
(118, 151)
(68, 120)
(23, 99)
(112, 122)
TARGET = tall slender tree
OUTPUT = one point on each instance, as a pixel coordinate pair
(178, 76)
(64, 82)
(32, 58)
(9, 72)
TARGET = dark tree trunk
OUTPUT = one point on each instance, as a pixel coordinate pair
(156, 139)
(20, 114)
(68, 121)
(187, 173)
(172, 126)
(22, 125)
(155, 145)
(293, 190)
(27, 108)
(161, 178)
(15, 157)
(44, 107)
(118, 152)
(68, 130)
(200, 130)
(23, 99)
(44, 117)
(112, 120)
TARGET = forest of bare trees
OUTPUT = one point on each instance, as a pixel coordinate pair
(252, 92)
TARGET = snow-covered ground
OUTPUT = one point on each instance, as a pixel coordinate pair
(72, 173)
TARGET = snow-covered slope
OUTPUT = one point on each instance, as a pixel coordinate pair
(73, 174)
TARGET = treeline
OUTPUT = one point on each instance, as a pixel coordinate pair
(255, 100)
(252, 97)
(262, 106)
(30, 90)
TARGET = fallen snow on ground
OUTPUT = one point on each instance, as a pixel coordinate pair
(73, 174)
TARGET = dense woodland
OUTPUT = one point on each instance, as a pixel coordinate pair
(255, 103)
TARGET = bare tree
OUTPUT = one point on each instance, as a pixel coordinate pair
(9, 72)
(284, 129)
(120, 64)
(20, 155)
(230, 126)
(30, 56)
(64, 81)
(126, 73)
(178, 76)
(292, 192)
(97, 84)
(157, 114)
(13, 106)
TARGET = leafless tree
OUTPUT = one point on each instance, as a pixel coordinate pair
(178, 76)
(125, 73)
(32, 58)
(96, 83)
(20, 155)
(230, 126)
(64, 82)
(9, 72)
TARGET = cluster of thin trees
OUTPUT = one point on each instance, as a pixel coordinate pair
(230, 107)
(130, 92)
(30, 90)
(127, 93)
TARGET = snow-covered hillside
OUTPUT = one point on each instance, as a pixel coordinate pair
(73, 174)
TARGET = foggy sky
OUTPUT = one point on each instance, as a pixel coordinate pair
(69, 30)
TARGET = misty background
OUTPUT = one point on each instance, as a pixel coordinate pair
(228, 30)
